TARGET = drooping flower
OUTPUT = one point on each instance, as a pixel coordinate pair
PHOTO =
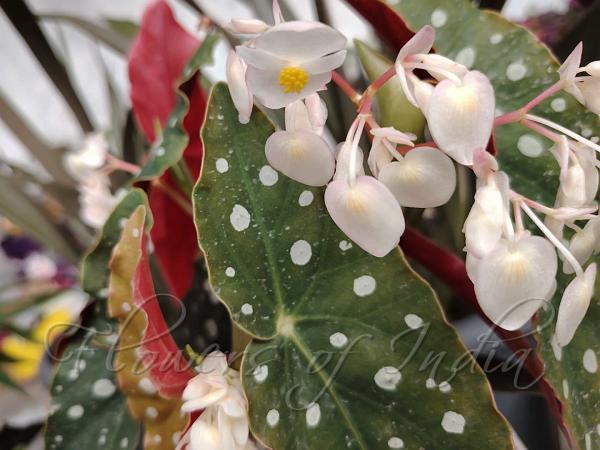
(461, 115)
(367, 212)
(240, 94)
(574, 304)
(515, 279)
(89, 158)
(224, 422)
(299, 151)
(586, 89)
(292, 60)
(96, 200)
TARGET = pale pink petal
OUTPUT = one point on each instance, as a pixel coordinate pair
(393, 135)
(573, 187)
(296, 117)
(574, 304)
(424, 178)
(247, 26)
(484, 163)
(581, 246)
(569, 68)
(300, 41)
(461, 118)
(367, 213)
(513, 280)
(590, 90)
(422, 92)
(259, 58)
(265, 86)
(444, 64)
(482, 234)
(325, 63)
(342, 169)
(421, 42)
(379, 156)
(317, 112)
(204, 436)
(236, 79)
(301, 155)
(472, 264)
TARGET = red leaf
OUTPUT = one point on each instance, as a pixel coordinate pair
(387, 23)
(157, 59)
(169, 370)
(158, 55)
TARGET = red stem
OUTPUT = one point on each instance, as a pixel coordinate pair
(451, 270)
(346, 87)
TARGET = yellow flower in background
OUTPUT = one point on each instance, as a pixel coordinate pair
(28, 353)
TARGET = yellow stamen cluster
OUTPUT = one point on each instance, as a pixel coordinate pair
(293, 79)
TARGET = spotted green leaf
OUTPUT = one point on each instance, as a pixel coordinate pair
(520, 68)
(82, 419)
(345, 342)
(168, 149)
(394, 109)
(88, 410)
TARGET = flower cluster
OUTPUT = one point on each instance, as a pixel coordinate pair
(89, 168)
(514, 272)
(216, 392)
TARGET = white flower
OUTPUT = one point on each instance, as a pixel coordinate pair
(584, 244)
(39, 266)
(343, 155)
(300, 152)
(574, 304)
(484, 225)
(236, 79)
(460, 116)
(223, 425)
(247, 26)
(586, 89)
(292, 60)
(95, 200)
(90, 157)
(424, 178)
(367, 212)
(515, 279)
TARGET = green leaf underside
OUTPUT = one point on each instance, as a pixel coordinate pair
(88, 410)
(106, 421)
(501, 49)
(296, 307)
(168, 150)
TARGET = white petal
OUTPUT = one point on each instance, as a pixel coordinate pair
(445, 64)
(204, 436)
(265, 85)
(461, 118)
(482, 234)
(236, 79)
(296, 117)
(326, 63)
(421, 42)
(260, 58)
(301, 155)
(574, 304)
(593, 68)
(342, 168)
(581, 247)
(215, 363)
(569, 68)
(379, 156)
(587, 157)
(514, 280)
(300, 41)
(472, 265)
(317, 112)
(561, 151)
(367, 213)
(492, 198)
(393, 135)
(483, 163)
(573, 187)
(424, 178)
(247, 26)
(422, 92)
(590, 89)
